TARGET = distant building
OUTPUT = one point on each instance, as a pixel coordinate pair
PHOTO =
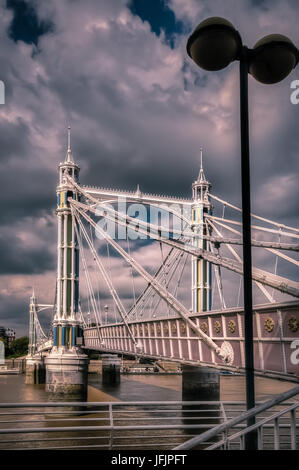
(10, 336)
(2, 332)
(7, 334)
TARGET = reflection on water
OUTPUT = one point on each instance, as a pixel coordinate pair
(140, 388)
(131, 388)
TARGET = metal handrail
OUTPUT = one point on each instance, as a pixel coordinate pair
(154, 424)
(119, 421)
(226, 426)
(254, 427)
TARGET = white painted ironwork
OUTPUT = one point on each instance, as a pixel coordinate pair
(227, 435)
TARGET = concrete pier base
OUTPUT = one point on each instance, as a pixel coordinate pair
(35, 370)
(67, 374)
(200, 383)
(111, 369)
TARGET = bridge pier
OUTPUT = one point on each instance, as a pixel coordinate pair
(67, 374)
(35, 370)
(110, 369)
(200, 383)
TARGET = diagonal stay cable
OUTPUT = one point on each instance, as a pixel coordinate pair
(113, 292)
(160, 289)
(280, 283)
(235, 254)
(268, 221)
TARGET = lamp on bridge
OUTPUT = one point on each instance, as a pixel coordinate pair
(106, 308)
(213, 45)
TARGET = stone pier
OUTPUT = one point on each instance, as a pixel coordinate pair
(67, 374)
(35, 370)
(110, 369)
(200, 383)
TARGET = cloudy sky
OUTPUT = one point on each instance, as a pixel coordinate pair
(117, 71)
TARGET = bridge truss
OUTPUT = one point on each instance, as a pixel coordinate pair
(154, 319)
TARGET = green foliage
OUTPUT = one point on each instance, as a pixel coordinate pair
(19, 347)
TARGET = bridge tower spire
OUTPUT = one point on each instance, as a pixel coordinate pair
(67, 327)
(201, 269)
(32, 338)
(66, 314)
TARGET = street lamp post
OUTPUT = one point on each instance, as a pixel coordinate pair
(213, 45)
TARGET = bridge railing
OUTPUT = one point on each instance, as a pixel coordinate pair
(132, 425)
(106, 425)
(277, 430)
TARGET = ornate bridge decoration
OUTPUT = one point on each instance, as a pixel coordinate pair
(154, 320)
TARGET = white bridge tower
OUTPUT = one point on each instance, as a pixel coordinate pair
(66, 365)
(201, 269)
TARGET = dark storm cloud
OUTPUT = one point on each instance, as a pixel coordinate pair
(159, 16)
(25, 25)
(259, 3)
(15, 314)
(26, 188)
(17, 258)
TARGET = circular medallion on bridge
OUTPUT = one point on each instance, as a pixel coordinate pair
(217, 326)
(227, 352)
(232, 326)
(165, 329)
(158, 328)
(174, 327)
(293, 324)
(152, 329)
(183, 328)
(269, 324)
(204, 327)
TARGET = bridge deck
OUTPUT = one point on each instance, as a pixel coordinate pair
(276, 328)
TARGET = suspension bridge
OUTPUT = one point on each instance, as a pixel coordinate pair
(190, 242)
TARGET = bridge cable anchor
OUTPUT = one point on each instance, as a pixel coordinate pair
(227, 353)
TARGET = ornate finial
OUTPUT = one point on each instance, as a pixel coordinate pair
(69, 138)
(33, 298)
(138, 192)
(201, 175)
(69, 157)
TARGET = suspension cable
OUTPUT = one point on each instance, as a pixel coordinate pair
(113, 292)
(131, 269)
(98, 283)
(277, 253)
(167, 296)
(259, 285)
(257, 227)
(254, 215)
(187, 234)
(284, 285)
(87, 276)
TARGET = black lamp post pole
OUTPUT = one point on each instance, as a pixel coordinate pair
(250, 439)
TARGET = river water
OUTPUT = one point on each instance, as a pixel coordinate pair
(140, 388)
(131, 388)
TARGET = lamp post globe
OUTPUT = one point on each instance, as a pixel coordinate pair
(214, 44)
(273, 58)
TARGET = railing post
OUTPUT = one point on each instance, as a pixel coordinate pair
(276, 434)
(260, 438)
(293, 429)
(111, 425)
